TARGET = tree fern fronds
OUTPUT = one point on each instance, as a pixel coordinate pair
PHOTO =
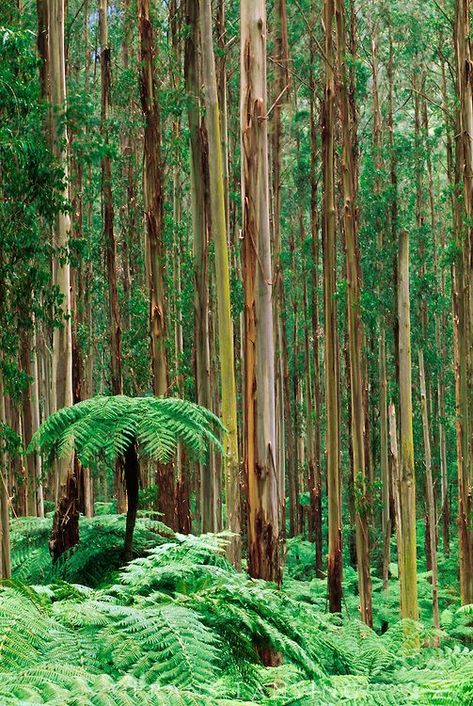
(103, 428)
(166, 644)
(250, 613)
(29, 632)
(57, 685)
(96, 558)
(357, 691)
(183, 556)
(30, 558)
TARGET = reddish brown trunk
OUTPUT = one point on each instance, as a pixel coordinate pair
(264, 551)
(65, 533)
(154, 217)
(332, 375)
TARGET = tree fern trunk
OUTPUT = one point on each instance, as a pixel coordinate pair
(132, 473)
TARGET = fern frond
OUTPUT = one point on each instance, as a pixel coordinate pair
(104, 427)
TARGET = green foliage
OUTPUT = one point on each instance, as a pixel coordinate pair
(102, 428)
(30, 196)
(180, 626)
(92, 562)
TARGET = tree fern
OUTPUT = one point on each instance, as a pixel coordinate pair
(93, 561)
(104, 427)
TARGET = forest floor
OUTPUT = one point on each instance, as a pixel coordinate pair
(179, 625)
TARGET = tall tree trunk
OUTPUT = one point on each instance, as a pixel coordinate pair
(109, 236)
(332, 373)
(382, 372)
(407, 530)
(429, 493)
(108, 208)
(200, 225)
(395, 477)
(260, 424)
(36, 422)
(355, 327)
(393, 179)
(131, 468)
(62, 336)
(283, 430)
(153, 202)
(463, 292)
(27, 417)
(5, 555)
(442, 324)
(222, 283)
(315, 479)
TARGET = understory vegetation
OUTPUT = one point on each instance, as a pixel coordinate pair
(179, 625)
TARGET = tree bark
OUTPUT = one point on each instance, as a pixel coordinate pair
(315, 475)
(5, 554)
(153, 202)
(200, 227)
(332, 374)
(463, 292)
(27, 419)
(62, 344)
(382, 368)
(222, 282)
(108, 218)
(62, 335)
(355, 326)
(407, 493)
(108, 207)
(283, 428)
(260, 423)
(432, 524)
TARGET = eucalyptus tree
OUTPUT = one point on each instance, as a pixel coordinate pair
(153, 193)
(264, 538)
(62, 335)
(200, 208)
(407, 486)
(355, 326)
(463, 291)
(218, 225)
(331, 369)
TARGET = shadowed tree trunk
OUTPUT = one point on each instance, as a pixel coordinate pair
(280, 95)
(315, 466)
(431, 525)
(201, 229)
(463, 293)
(382, 373)
(66, 521)
(218, 226)
(108, 217)
(332, 374)
(154, 218)
(355, 326)
(131, 469)
(5, 554)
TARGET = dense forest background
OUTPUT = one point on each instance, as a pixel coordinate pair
(264, 208)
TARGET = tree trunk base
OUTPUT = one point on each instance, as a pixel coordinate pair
(65, 534)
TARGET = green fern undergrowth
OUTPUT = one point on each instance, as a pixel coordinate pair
(178, 625)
